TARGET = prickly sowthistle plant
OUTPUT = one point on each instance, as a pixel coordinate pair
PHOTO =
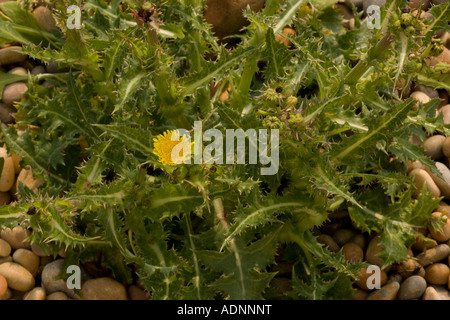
(205, 231)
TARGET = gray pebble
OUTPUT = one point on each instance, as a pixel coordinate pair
(412, 288)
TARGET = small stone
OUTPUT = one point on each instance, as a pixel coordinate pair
(444, 235)
(5, 248)
(16, 160)
(360, 240)
(13, 93)
(443, 57)
(26, 177)
(395, 278)
(437, 273)
(445, 110)
(7, 176)
(50, 282)
(10, 55)
(6, 113)
(57, 296)
(38, 70)
(18, 71)
(136, 293)
(434, 292)
(433, 255)
(352, 252)
(44, 16)
(422, 177)
(329, 242)
(444, 185)
(420, 97)
(364, 275)
(373, 249)
(27, 259)
(16, 237)
(37, 293)
(416, 4)
(342, 236)
(3, 286)
(103, 289)
(433, 147)
(412, 288)
(386, 292)
(37, 250)
(360, 294)
(18, 277)
(420, 244)
(429, 91)
(446, 144)
(409, 268)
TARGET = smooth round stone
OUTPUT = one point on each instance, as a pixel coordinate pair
(103, 289)
(420, 97)
(433, 255)
(363, 277)
(415, 140)
(342, 236)
(3, 286)
(360, 294)
(409, 268)
(412, 288)
(443, 57)
(37, 250)
(7, 176)
(420, 244)
(329, 242)
(27, 259)
(437, 273)
(445, 110)
(446, 144)
(416, 4)
(38, 70)
(360, 240)
(395, 278)
(58, 296)
(422, 177)
(18, 277)
(6, 113)
(373, 249)
(37, 293)
(434, 292)
(386, 292)
(5, 248)
(429, 91)
(16, 237)
(10, 55)
(433, 147)
(44, 16)
(13, 93)
(50, 281)
(18, 71)
(443, 184)
(444, 235)
(352, 252)
(136, 293)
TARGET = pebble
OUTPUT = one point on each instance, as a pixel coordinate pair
(6, 113)
(26, 177)
(9, 55)
(433, 255)
(5, 248)
(18, 277)
(412, 288)
(363, 276)
(445, 110)
(420, 97)
(360, 240)
(420, 244)
(329, 242)
(103, 289)
(44, 16)
(13, 92)
(360, 294)
(437, 273)
(50, 281)
(444, 235)
(433, 147)
(422, 177)
(18, 71)
(352, 252)
(444, 185)
(416, 4)
(373, 249)
(429, 91)
(446, 145)
(436, 293)
(409, 268)
(3, 286)
(16, 237)
(37, 250)
(386, 292)
(7, 176)
(443, 57)
(27, 259)
(38, 70)
(37, 293)
(136, 293)
(342, 236)
(58, 296)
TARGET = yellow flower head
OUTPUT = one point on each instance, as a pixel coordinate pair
(163, 146)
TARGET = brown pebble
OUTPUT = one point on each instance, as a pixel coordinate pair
(136, 293)
(437, 273)
(444, 235)
(386, 292)
(329, 242)
(352, 252)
